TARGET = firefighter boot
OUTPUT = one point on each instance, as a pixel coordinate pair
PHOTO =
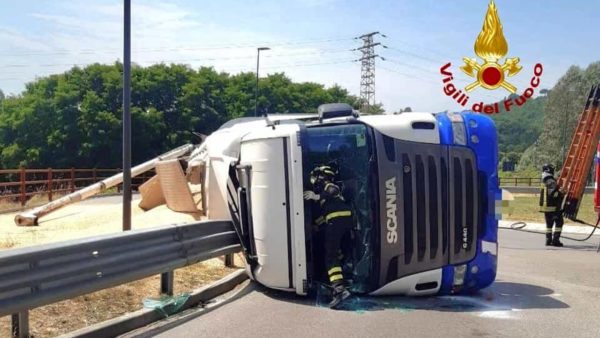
(556, 240)
(548, 239)
(339, 294)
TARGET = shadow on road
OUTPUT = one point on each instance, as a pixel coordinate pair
(567, 246)
(581, 247)
(58, 217)
(501, 296)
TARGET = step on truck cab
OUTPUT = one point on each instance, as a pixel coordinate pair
(422, 188)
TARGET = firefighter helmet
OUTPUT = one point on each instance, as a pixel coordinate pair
(548, 168)
(322, 173)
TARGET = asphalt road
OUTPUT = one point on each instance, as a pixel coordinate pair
(539, 292)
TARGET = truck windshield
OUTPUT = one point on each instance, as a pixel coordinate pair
(347, 148)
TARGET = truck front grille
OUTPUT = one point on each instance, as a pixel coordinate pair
(437, 207)
(423, 227)
(464, 204)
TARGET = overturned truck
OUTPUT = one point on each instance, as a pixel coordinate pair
(422, 187)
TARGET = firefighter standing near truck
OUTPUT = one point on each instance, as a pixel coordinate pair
(551, 205)
(336, 220)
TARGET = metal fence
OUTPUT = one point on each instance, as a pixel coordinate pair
(40, 275)
(520, 181)
(19, 185)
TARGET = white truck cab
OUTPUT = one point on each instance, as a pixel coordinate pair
(414, 182)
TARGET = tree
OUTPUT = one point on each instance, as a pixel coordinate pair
(565, 101)
(74, 118)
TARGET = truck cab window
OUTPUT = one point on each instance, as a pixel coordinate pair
(348, 151)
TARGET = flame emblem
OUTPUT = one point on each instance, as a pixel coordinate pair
(491, 46)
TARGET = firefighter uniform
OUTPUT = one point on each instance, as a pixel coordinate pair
(336, 221)
(550, 204)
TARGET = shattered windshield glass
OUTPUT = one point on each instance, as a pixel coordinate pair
(348, 150)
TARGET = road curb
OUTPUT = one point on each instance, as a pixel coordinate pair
(568, 228)
(135, 320)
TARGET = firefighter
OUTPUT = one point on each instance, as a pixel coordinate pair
(336, 221)
(550, 204)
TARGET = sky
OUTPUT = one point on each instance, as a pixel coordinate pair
(310, 40)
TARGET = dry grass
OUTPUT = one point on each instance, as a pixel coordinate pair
(525, 208)
(94, 217)
(76, 313)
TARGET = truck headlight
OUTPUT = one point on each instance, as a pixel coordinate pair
(459, 274)
(458, 129)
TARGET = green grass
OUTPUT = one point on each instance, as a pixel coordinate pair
(525, 208)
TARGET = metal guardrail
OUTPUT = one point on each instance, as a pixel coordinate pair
(520, 181)
(535, 190)
(40, 275)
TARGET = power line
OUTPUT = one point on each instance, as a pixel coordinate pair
(421, 49)
(434, 81)
(219, 58)
(87, 51)
(411, 66)
(421, 78)
(418, 56)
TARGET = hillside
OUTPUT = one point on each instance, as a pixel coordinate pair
(519, 128)
(564, 105)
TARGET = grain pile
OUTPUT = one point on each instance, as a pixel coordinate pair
(95, 217)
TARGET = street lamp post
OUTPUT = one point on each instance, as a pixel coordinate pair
(127, 116)
(256, 89)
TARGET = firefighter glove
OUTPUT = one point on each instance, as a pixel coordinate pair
(310, 195)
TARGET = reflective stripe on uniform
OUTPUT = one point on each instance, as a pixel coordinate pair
(334, 270)
(558, 229)
(543, 203)
(548, 230)
(544, 207)
(336, 214)
(335, 277)
(320, 220)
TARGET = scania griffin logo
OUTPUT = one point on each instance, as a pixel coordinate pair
(392, 220)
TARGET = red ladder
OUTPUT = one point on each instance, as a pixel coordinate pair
(579, 159)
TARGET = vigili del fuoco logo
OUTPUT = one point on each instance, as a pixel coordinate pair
(493, 72)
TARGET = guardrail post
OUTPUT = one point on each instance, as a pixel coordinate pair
(229, 261)
(49, 184)
(20, 324)
(516, 184)
(94, 176)
(166, 282)
(72, 181)
(23, 192)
